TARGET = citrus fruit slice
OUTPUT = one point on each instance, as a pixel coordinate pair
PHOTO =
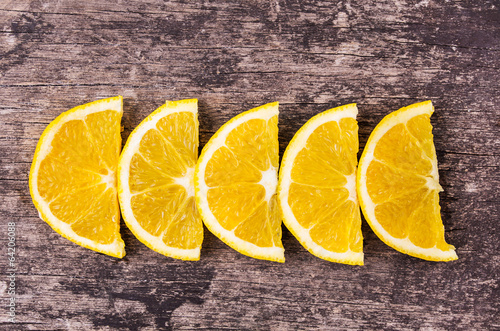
(398, 184)
(73, 175)
(236, 180)
(317, 186)
(155, 181)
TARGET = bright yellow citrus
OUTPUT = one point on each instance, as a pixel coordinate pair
(73, 175)
(155, 181)
(317, 186)
(236, 180)
(398, 184)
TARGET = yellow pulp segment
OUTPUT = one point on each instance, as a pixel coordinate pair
(318, 196)
(77, 176)
(161, 181)
(403, 183)
(241, 193)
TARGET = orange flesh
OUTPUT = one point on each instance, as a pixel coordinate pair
(401, 182)
(318, 196)
(160, 206)
(77, 177)
(235, 197)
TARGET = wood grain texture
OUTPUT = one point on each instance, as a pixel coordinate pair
(232, 56)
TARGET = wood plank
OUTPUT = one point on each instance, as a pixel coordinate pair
(232, 56)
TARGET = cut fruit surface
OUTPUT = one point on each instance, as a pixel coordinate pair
(73, 175)
(155, 181)
(317, 186)
(236, 180)
(398, 184)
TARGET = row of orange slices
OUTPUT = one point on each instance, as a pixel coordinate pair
(79, 181)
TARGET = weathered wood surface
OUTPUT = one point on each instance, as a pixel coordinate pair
(310, 56)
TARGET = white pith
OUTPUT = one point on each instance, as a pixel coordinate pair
(404, 245)
(187, 181)
(351, 187)
(218, 141)
(269, 181)
(109, 180)
(295, 146)
(43, 149)
(131, 148)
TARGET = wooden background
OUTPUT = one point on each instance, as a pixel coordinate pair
(232, 56)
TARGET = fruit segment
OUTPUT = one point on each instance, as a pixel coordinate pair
(317, 192)
(73, 175)
(236, 180)
(398, 184)
(155, 182)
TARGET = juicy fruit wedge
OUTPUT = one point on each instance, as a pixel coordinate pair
(155, 181)
(398, 184)
(236, 180)
(317, 186)
(73, 175)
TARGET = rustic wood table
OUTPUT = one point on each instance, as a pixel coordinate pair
(232, 56)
